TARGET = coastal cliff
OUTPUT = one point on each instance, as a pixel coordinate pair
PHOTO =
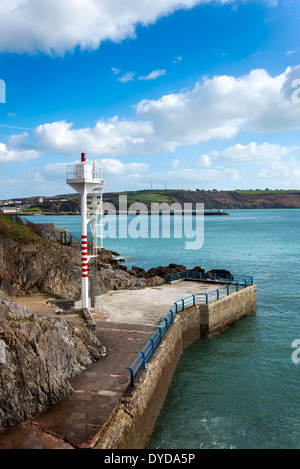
(212, 200)
(37, 357)
(31, 264)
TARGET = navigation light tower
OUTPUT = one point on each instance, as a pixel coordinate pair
(86, 179)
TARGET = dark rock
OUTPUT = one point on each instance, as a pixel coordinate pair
(198, 269)
(221, 274)
(137, 271)
(165, 272)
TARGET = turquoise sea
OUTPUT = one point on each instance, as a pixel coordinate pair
(240, 389)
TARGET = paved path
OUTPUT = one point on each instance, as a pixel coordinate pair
(124, 324)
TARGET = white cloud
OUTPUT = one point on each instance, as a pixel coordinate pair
(223, 106)
(55, 169)
(118, 168)
(283, 170)
(14, 155)
(115, 70)
(218, 107)
(290, 52)
(126, 77)
(153, 75)
(203, 161)
(109, 137)
(117, 175)
(111, 166)
(175, 163)
(191, 176)
(57, 26)
(251, 153)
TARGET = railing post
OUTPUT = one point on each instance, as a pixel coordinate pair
(182, 304)
(206, 298)
(152, 346)
(132, 377)
(237, 286)
(144, 361)
(166, 321)
(176, 308)
(194, 300)
(227, 287)
(215, 277)
(230, 278)
(187, 274)
(159, 334)
(218, 294)
(200, 275)
(172, 316)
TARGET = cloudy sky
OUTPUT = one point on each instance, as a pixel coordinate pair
(184, 93)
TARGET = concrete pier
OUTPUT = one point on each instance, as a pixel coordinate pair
(104, 411)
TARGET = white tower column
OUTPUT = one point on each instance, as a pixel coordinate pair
(84, 252)
(85, 178)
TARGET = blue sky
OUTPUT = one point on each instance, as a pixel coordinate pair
(191, 93)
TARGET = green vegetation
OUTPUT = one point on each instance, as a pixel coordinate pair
(14, 230)
(38, 209)
(148, 197)
(81, 314)
(266, 191)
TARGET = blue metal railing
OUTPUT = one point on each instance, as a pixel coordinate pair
(213, 277)
(180, 305)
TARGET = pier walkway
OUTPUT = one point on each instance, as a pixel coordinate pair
(125, 320)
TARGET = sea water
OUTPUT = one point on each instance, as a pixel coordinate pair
(239, 389)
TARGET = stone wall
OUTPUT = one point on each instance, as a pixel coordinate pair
(134, 420)
(220, 314)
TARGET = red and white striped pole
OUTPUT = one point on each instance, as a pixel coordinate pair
(84, 252)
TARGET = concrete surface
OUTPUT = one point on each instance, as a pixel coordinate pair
(125, 323)
(148, 306)
(38, 304)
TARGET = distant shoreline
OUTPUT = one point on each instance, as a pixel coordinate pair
(136, 212)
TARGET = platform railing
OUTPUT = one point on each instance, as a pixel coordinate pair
(212, 277)
(179, 305)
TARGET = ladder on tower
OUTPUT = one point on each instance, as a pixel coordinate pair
(95, 214)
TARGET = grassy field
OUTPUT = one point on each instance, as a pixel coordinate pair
(260, 191)
(38, 209)
(15, 230)
(147, 197)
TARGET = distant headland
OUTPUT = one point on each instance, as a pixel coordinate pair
(215, 201)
